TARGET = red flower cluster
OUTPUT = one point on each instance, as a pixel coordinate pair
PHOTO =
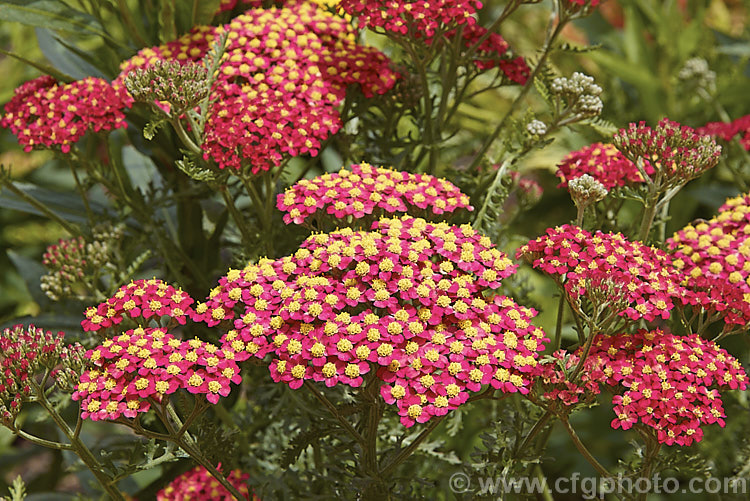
(555, 373)
(677, 151)
(44, 113)
(285, 71)
(405, 300)
(367, 190)
(443, 18)
(142, 298)
(141, 366)
(727, 131)
(714, 257)
(604, 163)
(669, 382)
(198, 484)
(25, 352)
(642, 277)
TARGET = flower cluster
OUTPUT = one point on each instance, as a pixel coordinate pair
(44, 113)
(577, 95)
(406, 304)
(199, 484)
(373, 191)
(604, 163)
(180, 85)
(424, 20)
(417, 19)
(141, 366)
(677, 152)
(641, 278)
(25, 354)
(696, 71)
(669, 382)
(140, 299)
(284, 72)
(728, 130)
(714, 258)
(585, 191)
(556, 372)
(73, 263)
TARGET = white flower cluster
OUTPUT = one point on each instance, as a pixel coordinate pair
(580, 93)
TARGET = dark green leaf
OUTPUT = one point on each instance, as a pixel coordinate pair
(167, 24)
(51, 14)
(203, 11)
(63, 58)
(44, 68)
(31, 272)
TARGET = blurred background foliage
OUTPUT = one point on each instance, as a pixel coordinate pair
(639, 48)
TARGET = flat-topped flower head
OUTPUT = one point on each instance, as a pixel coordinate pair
(604, 163)
(284, 72)
(639, 278)
(714, 259)
(45, 113)
(143, 365)
(677, 152)
(199, 484)
(669, 383)
(140, 299)
(409, 300)
(364, 190)
(26, 353)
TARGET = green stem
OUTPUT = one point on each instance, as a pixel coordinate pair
(5, 181)
(583, 450)
(76, 445)
(546, 50)
(332, 409)
(236, 215)
(406, 452)
(558, 325)
(42, 441)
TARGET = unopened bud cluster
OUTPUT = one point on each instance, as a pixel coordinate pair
(580, 93)
(183, 86)
(536, 128)
(27, 353)
(586, 190)
(72, 261)
(677, 152)
(696, 70)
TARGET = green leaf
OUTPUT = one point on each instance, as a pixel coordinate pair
(44, 68)
(66, 205)
(51, 14)
(63, 58)
(203, 11)
(31, 272)
(167, 23)
(631, 73)
(149, 131)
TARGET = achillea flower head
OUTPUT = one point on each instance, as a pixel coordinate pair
(697, 72)
(585, 190)
(579, 94)
(555, 373)
(140, 365)
(726, 131)
(667, 382)
(648, 287)
(26, 352)
(284, 72)
(140, 299)
(604, 163)
(44, 113)
(714, 259)
(365, 190)
(198, 484)
(677, 152)
(426, 19)
(182, 86)
(406, 301)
